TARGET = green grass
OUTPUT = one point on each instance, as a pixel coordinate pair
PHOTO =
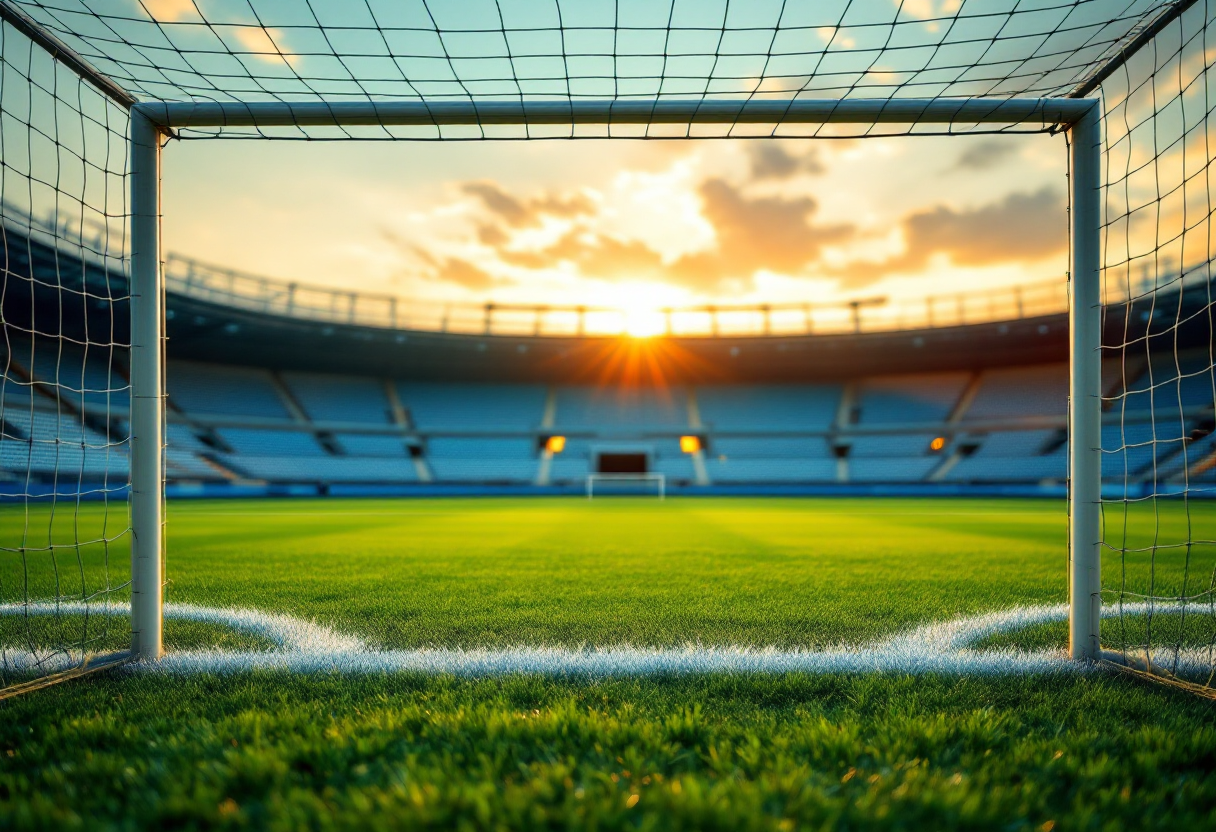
(275, 751)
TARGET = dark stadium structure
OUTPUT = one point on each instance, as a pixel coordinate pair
(275, 404)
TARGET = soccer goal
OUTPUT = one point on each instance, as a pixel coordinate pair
(91, 99)
(617, 484)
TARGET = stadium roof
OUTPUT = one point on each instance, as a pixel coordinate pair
(579, 50)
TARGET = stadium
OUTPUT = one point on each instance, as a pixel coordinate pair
(902, 404)
(285, 550)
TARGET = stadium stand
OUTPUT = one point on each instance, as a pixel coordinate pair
(621, 408)
(492, 407)
(257, 398)
(911, 398)
(229, 391)
(332, 398)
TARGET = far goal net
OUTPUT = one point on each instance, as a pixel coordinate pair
(605, 485)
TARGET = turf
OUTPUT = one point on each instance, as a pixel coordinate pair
(265, 750)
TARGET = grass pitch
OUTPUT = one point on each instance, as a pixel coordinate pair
(274, 750)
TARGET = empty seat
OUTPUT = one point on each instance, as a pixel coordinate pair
(614, 408)
(1021, 391)
(223, 390)
(269, 442)
(927, 397)
(769, 407)
(488, 406)
(331, 398)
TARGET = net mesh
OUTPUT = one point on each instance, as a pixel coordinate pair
(63, 395)
(1159, 451)
(332, 51)
(64, 159)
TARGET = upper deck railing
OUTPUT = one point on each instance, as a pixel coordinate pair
(229, 287)
(101, 244)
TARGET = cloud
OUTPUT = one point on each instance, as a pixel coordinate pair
(440, 269)
(986, 154)
(1021, 227)
(520, 213)
(264, 43)
(769, 233)
(596, 255)
(463, 273)
(771, 160)
(170, 11)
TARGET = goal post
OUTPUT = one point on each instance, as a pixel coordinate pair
(147, 393)
(1085, 388)
(656, 479)
(1081, 116)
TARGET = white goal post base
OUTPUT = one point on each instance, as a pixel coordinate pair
(660, 480)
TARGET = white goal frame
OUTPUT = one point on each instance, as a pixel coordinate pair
(151, 121)
(651, 476)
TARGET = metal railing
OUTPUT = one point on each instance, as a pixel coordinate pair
(104, 244)
(229, 287)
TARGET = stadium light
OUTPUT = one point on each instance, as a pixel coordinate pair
(690, 444)
(555, 444)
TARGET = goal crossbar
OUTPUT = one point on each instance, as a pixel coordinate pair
(1080, 116)
(1047, 111)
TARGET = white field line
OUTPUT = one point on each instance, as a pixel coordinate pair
(307, 647)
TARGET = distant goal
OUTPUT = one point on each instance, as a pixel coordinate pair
(626, 484)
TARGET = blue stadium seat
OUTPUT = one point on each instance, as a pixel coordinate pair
(771, 447)
(327, 469)
(891, 469)
(468, 406)
(1021, 391)
(485, 469)
(738, 470)
(769, 407)
(889, 446)
(925, 397)
(269, 442)
(364, 444)
(329, 398)
(481, 447)
(1017, 469)
(221, 390)
(614, 408)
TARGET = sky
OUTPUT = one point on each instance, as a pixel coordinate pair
(625, 223)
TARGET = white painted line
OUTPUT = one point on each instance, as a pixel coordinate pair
(307, 647)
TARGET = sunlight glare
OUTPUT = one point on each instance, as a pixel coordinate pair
(643, 323)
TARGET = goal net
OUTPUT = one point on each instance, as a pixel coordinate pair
(64, 561)
(606, 485)
(1159, 449)
(677, 69)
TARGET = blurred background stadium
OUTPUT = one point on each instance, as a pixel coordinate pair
(278, 388)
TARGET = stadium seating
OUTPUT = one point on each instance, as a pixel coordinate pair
(784, 471)
(363, 444)
(492, 433)
(912, 398)
(1007, 393)
(491, 407)
(57, 446)
(613, 408)
(322, 469)
(329, 398)
(769, 407)
(229, 391)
